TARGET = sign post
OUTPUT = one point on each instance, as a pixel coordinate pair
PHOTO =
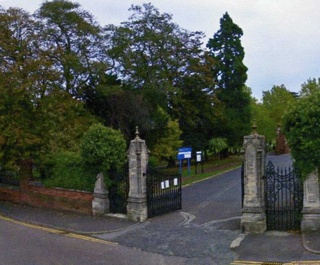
(184, 153)
(199, 160)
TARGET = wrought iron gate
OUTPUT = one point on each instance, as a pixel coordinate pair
(119, 190)
(163, 191)
(284, 199)
(242, 184)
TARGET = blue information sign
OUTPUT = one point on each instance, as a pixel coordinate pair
(184, 153)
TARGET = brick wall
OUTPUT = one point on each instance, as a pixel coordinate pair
(51, 198)
(8, 193)
(281, 145)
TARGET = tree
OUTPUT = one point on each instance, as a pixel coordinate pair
(149, 50)
(166, 65)
(64, 122)
(301, 127)
(119, 108)
(309, 87)
(36, 119)
(276, 101)
(266, 125)
(196, 105)
(72, 41)
(217, 145)
(166, 147)
(230, 77)
(21, 88)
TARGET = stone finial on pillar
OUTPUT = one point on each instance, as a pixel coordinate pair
(138, 160)
(100, 203)
(254, 127)
(253, 218)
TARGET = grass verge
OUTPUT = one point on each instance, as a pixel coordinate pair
(210, 169)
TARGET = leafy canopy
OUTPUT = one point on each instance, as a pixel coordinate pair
(72, 41)
(301, 127)
(276, 101)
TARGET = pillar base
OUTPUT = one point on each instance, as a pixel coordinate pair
(253, 223)
(137, 210)
(100, 204)
(310, 220)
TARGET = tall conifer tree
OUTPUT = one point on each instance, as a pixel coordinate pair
(230, 76)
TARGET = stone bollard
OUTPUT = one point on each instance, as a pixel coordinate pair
(100, 202)
(253, 218)
(138, 160)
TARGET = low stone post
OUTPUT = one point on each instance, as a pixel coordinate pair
(253, 218)
(138, 160)
(311, 204)
(100, 203)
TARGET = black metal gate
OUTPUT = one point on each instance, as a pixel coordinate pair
(284, 199)
(119, 190)
(163, 191)
(242, 184)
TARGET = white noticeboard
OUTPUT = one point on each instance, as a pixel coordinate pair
(186, 155)
(162, 185)
(199, 156)
(167, 184)
(175, 182)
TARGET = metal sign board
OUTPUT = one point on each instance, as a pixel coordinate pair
(185, 153)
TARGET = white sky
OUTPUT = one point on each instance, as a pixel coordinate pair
(281, 37)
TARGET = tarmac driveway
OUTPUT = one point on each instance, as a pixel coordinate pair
(202, 231)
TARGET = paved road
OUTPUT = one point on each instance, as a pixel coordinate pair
(31, 245)
(205, 227)
(202, 231)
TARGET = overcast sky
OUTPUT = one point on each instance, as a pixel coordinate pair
(281, 37)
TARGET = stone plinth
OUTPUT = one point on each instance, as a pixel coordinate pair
(253, 218)
(100, 202)
(311, 204)
(137, 208)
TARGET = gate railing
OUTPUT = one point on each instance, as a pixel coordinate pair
(163, 191)
(284, 199)
(119, 189)
(242, 184)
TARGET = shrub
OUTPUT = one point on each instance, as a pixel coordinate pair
(66, 170)
(102, 149)
(301, 128)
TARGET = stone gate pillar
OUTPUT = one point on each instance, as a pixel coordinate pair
(253, 218)
(138, 160)
(311, 203)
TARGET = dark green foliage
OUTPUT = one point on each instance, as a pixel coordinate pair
(118, 107)
(72, 41)
(265, 123)
(66, 170)
(230, 76)
(226, 48)
(102, 149)
(276, 101)
(301, 125)
(309, 87)
(167, 66)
